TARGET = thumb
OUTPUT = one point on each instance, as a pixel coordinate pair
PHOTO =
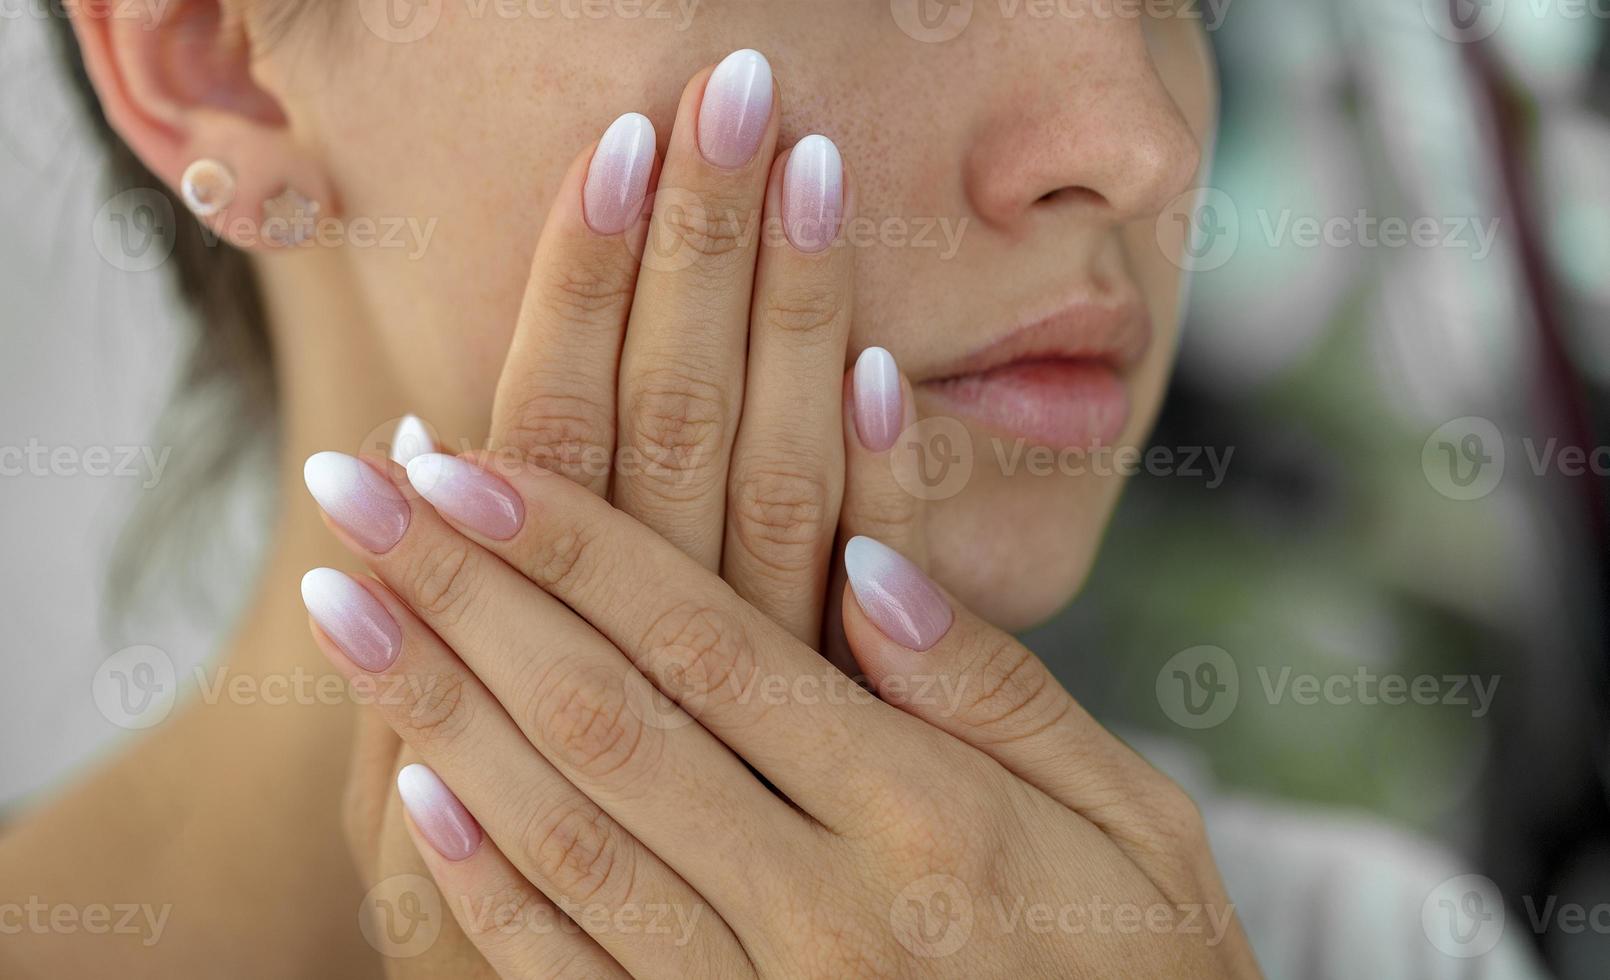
(926, 654)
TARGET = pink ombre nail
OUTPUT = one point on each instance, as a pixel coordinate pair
(896, 595)
(358, 498)
(736, 109)
(353, 618)
(878, 406)
(438, 814)
(617, 178)
(465, 493)
(813, 194)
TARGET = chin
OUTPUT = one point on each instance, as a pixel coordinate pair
(1017, 549)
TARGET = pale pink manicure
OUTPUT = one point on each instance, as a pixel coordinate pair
(438, 814)
(411, 439)
(896, 595)
(617, 178)
(467, 494)
(736, 109)
(813, 194)
(353, 618)
(878, 406)
(363, 502)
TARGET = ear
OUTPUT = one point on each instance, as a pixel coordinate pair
(175, 81)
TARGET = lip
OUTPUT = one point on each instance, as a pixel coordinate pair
(1058, 380)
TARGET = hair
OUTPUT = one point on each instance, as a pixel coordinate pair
(225, 391)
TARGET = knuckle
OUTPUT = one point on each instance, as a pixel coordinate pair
(677, 428)
(807, 308)
(560, 561)
(575, 848)
(590, 291)
(1014, 697)
(585, 715)
(437, 711)
(439, 581)
(698, 655)
(500, 915)
(561, 432)
(780, 515)
(888, 514)
(709, 227)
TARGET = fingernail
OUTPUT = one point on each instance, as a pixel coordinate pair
(617, 178)
(813, 194)
(353, 618)
(878, 408)
(359, 499)
(438, 814)
(896, 595)
(736, 108)
(411, 439)
(463, 492)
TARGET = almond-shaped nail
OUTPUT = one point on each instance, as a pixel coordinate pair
(411, 439)
(361, 500)
(441, 818)
(895, 594)
(736, 109)
(879, 408)
(353, 618)
(467, 494)
(813, 194)
(617, 178)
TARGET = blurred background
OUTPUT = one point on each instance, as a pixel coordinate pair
(1363, 587)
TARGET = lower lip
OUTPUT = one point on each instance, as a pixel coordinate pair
(1062, 404)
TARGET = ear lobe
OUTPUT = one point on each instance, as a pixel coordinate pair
(175, 81)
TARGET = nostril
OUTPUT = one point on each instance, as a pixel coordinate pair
(1071, 195)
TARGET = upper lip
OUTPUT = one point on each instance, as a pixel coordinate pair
(1113, 329)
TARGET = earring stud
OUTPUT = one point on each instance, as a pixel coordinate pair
(289, 218)
(207, 187)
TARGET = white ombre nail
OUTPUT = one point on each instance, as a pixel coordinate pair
(813, 194)
(364, 503)
(878, 405)
(617, 178)
(438, 814)
(736, 109)
(353, 618)
(896, 595)
(411, 439)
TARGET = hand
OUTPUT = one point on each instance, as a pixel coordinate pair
(536, 625)
(608, 305)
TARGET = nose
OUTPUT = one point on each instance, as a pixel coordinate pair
(1106, 132)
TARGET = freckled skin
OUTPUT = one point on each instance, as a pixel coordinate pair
(474, 125)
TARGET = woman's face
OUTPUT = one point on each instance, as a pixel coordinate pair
(1011, 159)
